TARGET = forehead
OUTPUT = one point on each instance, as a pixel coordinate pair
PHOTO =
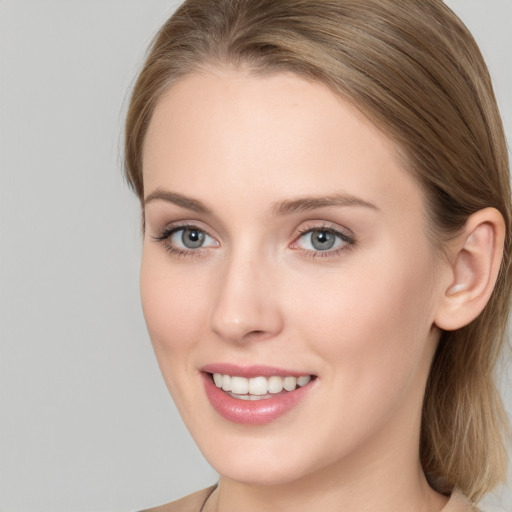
(276, 132)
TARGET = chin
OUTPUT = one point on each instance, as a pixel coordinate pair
(270, 472)
(262, 458)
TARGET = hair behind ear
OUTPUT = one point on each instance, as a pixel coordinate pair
(464, 419)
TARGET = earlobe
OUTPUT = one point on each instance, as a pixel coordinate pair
(474, 263)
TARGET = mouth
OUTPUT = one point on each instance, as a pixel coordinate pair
(255, 395)
(260, 387)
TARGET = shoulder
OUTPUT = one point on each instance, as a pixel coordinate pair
(191, 503)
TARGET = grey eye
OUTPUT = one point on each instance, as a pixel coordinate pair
(187, 239)
(192, 238)
(322, 240)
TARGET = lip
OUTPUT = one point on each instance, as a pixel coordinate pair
(249, 412)
(249, 371)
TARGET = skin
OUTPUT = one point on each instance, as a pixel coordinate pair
(360, 317)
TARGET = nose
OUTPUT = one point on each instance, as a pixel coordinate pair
(246, 305)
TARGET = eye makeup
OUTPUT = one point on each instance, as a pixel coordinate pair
(314, 240)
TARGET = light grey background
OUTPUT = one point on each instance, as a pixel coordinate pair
(86, 423)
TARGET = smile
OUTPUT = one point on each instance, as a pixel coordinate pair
(254, 395)
(258, 388)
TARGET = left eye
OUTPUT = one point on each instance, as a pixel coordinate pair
(191, 238)
(322, 240)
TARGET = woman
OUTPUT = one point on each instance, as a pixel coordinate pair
(326, 265)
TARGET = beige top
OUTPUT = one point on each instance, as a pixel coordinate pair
(191, 503)
(194, 503)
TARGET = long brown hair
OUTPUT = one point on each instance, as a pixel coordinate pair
(415, 71)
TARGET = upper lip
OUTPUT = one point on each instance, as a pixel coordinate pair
(249, 371)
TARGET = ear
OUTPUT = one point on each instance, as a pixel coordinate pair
(474, 260)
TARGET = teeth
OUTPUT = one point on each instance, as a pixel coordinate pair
(226, 382)
(290, 383)
(217, 378)
(257, 386)
(275, 384)
(252, 389)
(302, 381)
(239, 385)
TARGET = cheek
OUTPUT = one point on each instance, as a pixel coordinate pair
(173, 304)
(371, 326)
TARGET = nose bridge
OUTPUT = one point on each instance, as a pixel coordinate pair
(246, 305)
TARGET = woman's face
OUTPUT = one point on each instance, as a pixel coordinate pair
(284, 239)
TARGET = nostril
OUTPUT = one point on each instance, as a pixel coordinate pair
(257, 335)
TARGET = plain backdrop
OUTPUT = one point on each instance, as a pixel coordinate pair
(86, 423)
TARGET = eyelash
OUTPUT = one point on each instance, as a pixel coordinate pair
(164, 239)
(348, 241)
(167, 233)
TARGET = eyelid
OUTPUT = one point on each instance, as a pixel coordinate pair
(171, 227)
(169, 230)
(344, 234)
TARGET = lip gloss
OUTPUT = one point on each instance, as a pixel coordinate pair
(251, 412)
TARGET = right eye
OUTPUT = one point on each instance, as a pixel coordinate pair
(191, 238)
(185, 239)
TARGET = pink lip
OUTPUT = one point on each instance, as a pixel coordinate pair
(249, 412)
(250, 370)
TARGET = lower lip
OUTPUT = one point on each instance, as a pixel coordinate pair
(252, 412)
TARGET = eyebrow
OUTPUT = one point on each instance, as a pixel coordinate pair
(178, 199)
(280, 208)
(304, 204)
